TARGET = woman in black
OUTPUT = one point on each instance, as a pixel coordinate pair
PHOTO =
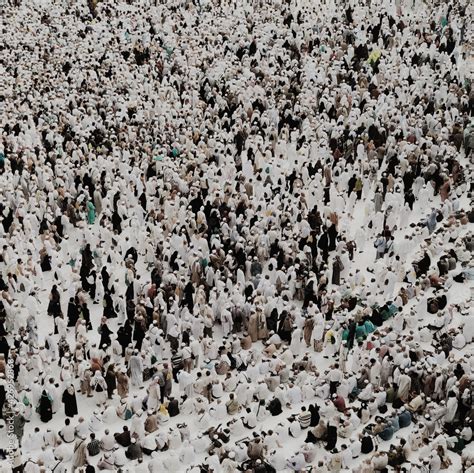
(69, 401)
(139, 332)
(275, 407)
(105, 279)
(332, 234)
(124, 335)
(105, 333)
(109, 310)
(331, 437)
(188, 296)
(72, 313)
(86, 266)
(110, 380)
(367, 444)
(315, 417)
(286, 326)
(45, 408)
(54, 306)
(45, 261)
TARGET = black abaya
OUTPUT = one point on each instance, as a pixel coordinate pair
(45, 408)
(72, 314)
(70, 404)
(331, 437)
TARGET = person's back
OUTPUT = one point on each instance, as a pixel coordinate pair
(255, 450)
(173, 407)
(404, 419)
(304, 419)
(367, 444)
(123, 438)
(387, 433)
(93, 447)
(134, 451)
(275, 407)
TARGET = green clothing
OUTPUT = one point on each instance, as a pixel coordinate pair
(90, 213)
(390, 312)
(390, 395)
(369, 326)
(360, 332)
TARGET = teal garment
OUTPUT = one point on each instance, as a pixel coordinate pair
(369, 326)
(458, 446)
(390, 312)
(169, 51)
(360, 333)
(395, 424)
(90, 213)
(175, 152)
(404, 419)
(345, 334)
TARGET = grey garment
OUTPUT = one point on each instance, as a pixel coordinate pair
(378, 201)
(19, 426)
(381, 245)
(134, 452)
(97, 202)
(136, 370)
(469, 242)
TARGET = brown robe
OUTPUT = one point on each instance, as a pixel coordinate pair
(151, 424)
(252, 328)
(246, 342)
(308, 331)
(85, 383)
(262, 330)
(444, 190)
(255, 450)
(122, 384)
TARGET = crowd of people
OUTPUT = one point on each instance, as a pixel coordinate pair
(236, 236)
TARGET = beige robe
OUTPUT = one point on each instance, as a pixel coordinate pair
(151, 424)
(252, 328)
(122, 385)
(80, 454)
(308, 331)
